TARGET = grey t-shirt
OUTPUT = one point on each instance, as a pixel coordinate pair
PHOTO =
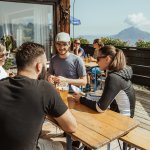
(71, 67)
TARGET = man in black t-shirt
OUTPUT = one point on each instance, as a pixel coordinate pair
(26, 99)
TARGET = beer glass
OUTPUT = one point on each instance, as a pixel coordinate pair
(63, 89)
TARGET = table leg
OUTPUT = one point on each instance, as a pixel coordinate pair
(95, 84)
(108, 146)
(69, 142)
(125, 145)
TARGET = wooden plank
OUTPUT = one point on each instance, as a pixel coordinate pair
(141, 70)
(137, 53)
(103, 128)
(138, 61)
(113, 117)
(91, 64)
(143, 116)
(145, 99)
(143, 94)
(142, 109)
(138, 137)
(89, 137)
(145, 126)
(143, 102)
(111, 125)
(143, 106)
(141, 80)
(143, 120)
(106, 123)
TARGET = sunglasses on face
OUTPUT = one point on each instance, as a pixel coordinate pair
(62, 44)
(99, 57)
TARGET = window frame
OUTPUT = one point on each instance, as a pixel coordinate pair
(55, 5)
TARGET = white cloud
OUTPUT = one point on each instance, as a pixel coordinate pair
(137, 20)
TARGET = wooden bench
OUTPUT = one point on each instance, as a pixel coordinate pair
(138, 137)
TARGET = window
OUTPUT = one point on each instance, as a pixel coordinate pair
(27, 22)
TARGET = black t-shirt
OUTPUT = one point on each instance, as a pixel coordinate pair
(24, 102)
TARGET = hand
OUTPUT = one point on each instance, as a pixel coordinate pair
(91, 58)
(77, 96)
(51, 79)
(60, 79)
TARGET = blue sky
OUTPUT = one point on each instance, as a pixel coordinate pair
(107, 17)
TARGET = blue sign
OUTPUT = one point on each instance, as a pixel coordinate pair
(74, 21)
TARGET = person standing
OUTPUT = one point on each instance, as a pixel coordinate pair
(25, 101)
(65, 66)
(97, 44)
(3, 73)
(94, 72)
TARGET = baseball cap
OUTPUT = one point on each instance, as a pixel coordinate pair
(62, 37)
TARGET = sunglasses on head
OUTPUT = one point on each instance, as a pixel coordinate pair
(99, 57)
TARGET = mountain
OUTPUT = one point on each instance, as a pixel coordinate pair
(132, 35)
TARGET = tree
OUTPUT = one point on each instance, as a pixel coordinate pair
(142, 44)
(114, 42)
(82, 40)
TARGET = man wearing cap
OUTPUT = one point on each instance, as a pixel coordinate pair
(65, 66)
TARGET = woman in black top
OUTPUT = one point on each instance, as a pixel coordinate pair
(118, 91)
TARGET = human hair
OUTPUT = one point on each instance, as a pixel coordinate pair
(27, 53)
(99, 42)
(117, 55)
(2, 48)
(77, 40)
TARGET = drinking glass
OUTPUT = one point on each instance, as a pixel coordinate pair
(63, 89)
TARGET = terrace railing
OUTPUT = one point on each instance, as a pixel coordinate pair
(138, 58)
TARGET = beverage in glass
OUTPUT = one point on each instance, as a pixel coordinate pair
(63, 89)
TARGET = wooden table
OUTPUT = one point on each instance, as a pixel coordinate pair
(98, 129)
(91, 64)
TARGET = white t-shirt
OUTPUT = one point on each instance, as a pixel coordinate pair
(3, 73)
